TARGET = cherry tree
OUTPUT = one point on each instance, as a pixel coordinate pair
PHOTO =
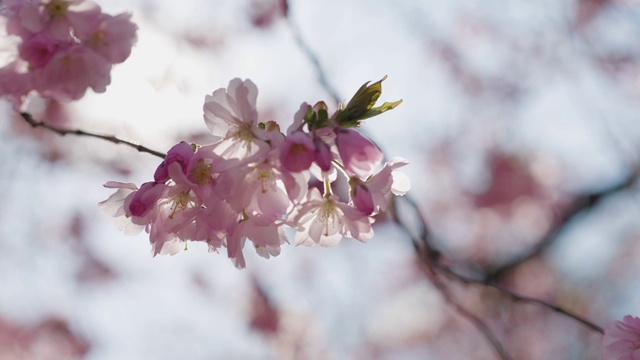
(473, 222)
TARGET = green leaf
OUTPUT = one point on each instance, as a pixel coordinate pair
(380, 109)
(360, 106)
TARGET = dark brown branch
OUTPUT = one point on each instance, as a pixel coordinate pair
(62, 132)
(482, 327)
(520, 298)
(464, 312)
(580, 205)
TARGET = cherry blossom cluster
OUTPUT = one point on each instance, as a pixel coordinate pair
(256, 181)
(61, 47)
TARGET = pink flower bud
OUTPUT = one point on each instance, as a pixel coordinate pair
(359, 155)
(323, 154)
(180, 153)
(144, 199)
(362, 199)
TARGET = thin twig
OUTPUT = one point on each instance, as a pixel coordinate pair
(580, 205)
(322, 77)
(483, 328)
(521, 298)
(431, 258)
(62, 132)
(464, 312)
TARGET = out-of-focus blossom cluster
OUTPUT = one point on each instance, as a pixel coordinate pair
(256, 181)
(621, 339)
(61, 48)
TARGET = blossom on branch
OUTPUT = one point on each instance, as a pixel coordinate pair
(255, 181)
(64, 48)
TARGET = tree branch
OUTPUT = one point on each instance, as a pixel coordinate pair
(62, 132)
(464, 312)
(520, 298)
(431, 259)
(313, 58)
(580, 205)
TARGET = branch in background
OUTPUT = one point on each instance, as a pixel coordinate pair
(422, 241)
(322, 77)
(464, 312)
(520, 298)
(580, 205)
(432, 259)
(62, 132)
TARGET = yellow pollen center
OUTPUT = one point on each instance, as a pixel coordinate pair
(243, 133)
(297, 149)
(98, 39)
(328, 215)
(180, 202)
(265, 177)
(201, 174)
(67, 63)
(57, 8)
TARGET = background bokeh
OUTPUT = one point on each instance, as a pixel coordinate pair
(521, 120)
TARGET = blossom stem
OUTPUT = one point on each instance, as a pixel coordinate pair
(327, 189)
(62, 132)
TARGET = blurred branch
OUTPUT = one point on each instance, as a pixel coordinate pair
(464, 312)
(520, 298)
(431, 259)
(62, 132)
(420, 242)
(313, 58)
(580, 205)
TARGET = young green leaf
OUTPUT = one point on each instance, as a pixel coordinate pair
(360, 106)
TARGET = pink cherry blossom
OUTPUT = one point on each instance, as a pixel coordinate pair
(145, 199)
(265, 238)
(362, 199)
(230, 114)
(63, 48)
(70, 72)
(114, 206)
(359, 155)
(325, 220)
(59, 18)
(621, 339)
(380, 186)
(251, 183)
(180, 153)
(298, 152)
(323, 155)
(15, 83)
(112, 37)
(38, 50)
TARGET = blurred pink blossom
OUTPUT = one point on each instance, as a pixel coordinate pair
(621, 339)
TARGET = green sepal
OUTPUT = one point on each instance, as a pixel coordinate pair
(317, 116)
